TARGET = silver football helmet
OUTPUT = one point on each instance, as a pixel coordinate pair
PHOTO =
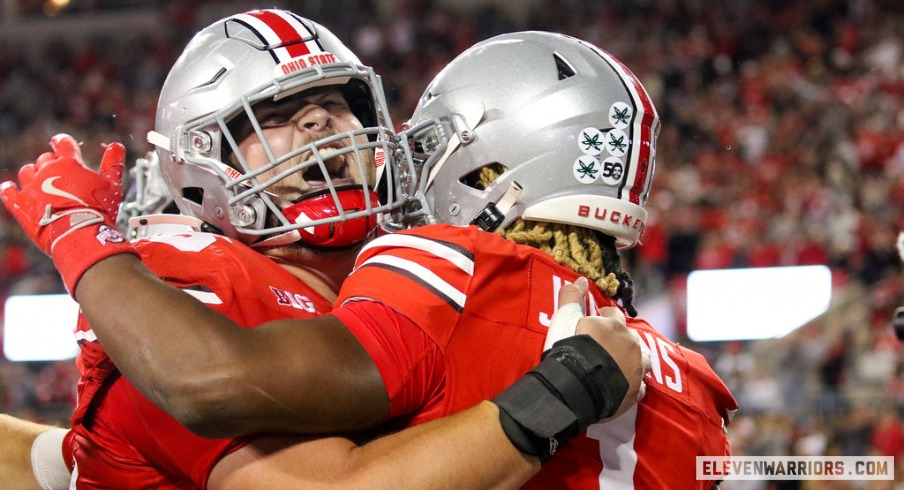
(269, 56)
(147, 195)
(572, 127)
(148, 207)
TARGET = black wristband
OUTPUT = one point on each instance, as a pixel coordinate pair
(577, 384)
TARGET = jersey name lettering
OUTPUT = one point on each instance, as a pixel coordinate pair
(659, 355)
(664, 369)
(557, 283)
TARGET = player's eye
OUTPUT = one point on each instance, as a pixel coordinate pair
(273, 120)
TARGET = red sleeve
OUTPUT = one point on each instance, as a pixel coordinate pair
(67, 450)
(411, 364)
(162, 440)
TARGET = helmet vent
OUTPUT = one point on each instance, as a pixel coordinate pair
(482, 177)
(565, 70)
(193, 194)
(218, 75)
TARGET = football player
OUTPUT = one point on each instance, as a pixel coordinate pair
(270, 135)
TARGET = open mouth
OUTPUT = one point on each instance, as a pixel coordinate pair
(338, 170)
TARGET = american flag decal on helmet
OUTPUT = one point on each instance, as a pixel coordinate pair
(286, 35)
(642, 132)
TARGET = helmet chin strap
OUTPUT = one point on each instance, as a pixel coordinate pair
(151, 224)
(338, 234)
(494, 213)
(278, 240)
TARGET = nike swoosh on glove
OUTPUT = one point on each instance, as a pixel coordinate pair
(67, 209)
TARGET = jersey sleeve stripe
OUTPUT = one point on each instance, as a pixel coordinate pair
(206, 297)
(85, 336)
(422, 276)
(640, 158)
(454, 254)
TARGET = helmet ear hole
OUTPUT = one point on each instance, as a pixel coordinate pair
(360, 101)
(482, 177)
(193, 194)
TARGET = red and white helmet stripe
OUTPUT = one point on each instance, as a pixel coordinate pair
(285, 34)
(641, 152)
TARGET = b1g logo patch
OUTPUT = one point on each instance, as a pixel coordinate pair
(295, 300)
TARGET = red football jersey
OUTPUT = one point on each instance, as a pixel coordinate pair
(487, 302)
(122, 440)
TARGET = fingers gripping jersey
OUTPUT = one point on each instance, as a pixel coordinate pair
(122, 440)
(487, 303)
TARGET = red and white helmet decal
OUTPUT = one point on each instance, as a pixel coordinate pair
(633, 133)
(284, 35)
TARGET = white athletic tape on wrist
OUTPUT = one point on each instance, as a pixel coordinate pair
(47, 462)
(564, 324)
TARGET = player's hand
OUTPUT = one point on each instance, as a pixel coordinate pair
(610, 330)
(69, 210)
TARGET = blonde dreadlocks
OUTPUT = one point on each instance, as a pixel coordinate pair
(587, 252)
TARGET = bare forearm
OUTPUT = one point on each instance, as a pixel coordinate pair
(17, 437)
(162, 340)
(222, 380)
(474, 451)
(465, 451)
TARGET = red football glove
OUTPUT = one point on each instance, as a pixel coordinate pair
(69, 210)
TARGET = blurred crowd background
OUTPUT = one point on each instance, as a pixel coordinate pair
(782, 144)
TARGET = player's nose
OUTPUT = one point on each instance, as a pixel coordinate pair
(314, 119)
